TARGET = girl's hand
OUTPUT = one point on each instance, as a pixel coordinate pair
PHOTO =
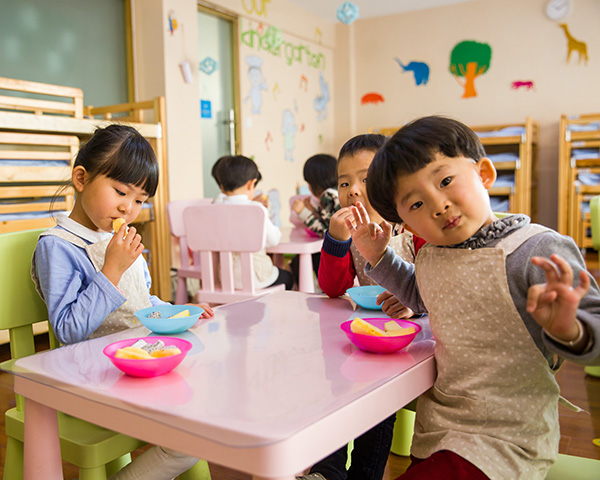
(123, 249)
(298, 205)
(208, 312)
(554, 304)
(338, 230)
(370, 239)
(263, 199)
(392, 306)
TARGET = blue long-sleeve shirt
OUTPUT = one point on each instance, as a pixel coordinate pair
(77, 297)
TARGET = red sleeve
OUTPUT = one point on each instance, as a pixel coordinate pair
(418, 242)
(336, 274)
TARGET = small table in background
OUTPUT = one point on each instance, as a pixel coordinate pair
(298, 241)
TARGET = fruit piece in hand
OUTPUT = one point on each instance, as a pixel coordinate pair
(117, 222)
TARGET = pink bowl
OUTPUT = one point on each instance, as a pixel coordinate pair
(370, 343)
(311, 233)
(151, 367)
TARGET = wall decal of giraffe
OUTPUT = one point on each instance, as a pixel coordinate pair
(574, 45)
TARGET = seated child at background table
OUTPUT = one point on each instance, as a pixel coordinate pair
(320, 174)
(341, 262)
(507, 301)
(93, 281)
(238, 176)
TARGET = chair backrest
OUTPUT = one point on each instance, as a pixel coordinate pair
(226, 229)
(175, 211)
(595, 221)
(20, 304)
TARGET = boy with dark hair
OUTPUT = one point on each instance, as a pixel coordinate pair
(503, 305)
(238, 176)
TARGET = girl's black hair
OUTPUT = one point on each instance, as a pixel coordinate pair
(412, 148)
(367, 141)
(234, 171)
(320, 171)
(120, 152)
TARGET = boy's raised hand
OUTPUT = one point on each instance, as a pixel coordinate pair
(123, 249)
(370, 239)
(554, 304)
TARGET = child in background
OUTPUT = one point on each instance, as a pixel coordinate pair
(507, 301)
(214, 172)
(341, 262)
(93, 281)
(239, 176)
(320, 174)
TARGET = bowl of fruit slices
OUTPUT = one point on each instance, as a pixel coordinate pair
(166, 319)
(147, 356)
(380, 335)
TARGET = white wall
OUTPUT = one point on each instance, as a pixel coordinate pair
(526, 45)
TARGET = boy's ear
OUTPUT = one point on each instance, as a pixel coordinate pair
(79, 177)
(487, 172)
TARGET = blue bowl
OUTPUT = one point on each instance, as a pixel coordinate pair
(366, 296)
(167, 325)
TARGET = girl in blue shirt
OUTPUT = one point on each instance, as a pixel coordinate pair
(93, 281)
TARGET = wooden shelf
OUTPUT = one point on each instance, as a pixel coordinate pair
(523, 194)
(573, 220)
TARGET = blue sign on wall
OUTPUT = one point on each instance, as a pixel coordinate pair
(205, 109)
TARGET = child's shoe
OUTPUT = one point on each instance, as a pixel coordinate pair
(311, 476)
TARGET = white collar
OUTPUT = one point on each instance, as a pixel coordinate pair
(236, 199)
(78, 229)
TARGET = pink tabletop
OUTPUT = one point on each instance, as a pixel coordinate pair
(296, 240)
(259, 372)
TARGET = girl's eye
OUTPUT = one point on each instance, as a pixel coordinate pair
(343, 185)
(364, 180)
(446, 181)
(139, 202)
(119, 192)
(416, 205)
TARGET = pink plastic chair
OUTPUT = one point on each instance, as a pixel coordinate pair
(188, 269)
(226, 229)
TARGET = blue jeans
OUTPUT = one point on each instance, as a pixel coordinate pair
(369, 456)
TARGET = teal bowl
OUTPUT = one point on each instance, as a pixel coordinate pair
(165, 325)
(366, 296)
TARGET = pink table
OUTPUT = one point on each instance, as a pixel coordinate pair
(297, 240)
(271, 386)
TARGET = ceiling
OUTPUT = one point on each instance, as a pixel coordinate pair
(327, 9)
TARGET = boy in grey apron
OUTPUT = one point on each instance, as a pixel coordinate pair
(502, 324)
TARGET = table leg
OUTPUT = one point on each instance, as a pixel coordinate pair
(41, 457)
(306, 282)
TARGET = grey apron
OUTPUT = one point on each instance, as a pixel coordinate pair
(495, 399)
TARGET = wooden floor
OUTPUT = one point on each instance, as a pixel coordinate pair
(578, 430)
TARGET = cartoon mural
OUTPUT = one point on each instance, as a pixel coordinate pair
(372, 97)
(419, 69)
(470, 59)
(289, 129)
(257, 82)
(574, 45)
(321, 100)
(522, 84)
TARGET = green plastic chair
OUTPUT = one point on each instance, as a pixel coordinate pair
(595, 220)
(568, 467)
(97, 452)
